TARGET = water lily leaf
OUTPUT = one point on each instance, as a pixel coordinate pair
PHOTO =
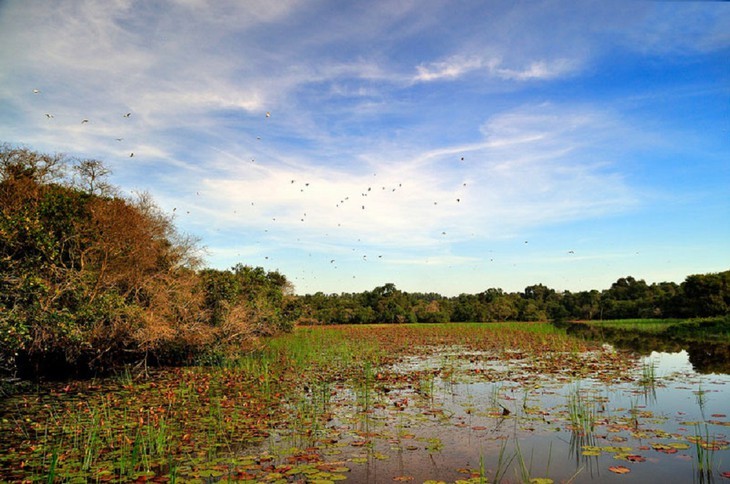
(635, 458)
(619, 469)
(724, 423)
(678, 445)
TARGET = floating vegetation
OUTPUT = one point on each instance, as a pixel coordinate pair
(423, 403)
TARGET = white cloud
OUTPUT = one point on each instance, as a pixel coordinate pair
(457, 67)
(449, 69)
(533, 166)
(384, 96)
(536, 70)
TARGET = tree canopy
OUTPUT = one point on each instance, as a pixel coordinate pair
(90, 279)
(700, 295)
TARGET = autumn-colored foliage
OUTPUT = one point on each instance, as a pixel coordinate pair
(90, 279)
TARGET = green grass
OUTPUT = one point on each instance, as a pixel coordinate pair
(648, 325)
(717, 327)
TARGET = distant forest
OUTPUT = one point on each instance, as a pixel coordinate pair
(91, 280)
(704, 295)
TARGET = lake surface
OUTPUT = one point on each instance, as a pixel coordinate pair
(663, 423)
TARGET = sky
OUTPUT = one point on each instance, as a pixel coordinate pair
(441, 146)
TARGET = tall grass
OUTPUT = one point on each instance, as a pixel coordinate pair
(581, 413)
(648, 325)
(705, 454)
(648, 381)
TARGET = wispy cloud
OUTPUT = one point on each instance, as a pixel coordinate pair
(457, 67)
(449, 69)
(450, 125)
(536, 70)
(527, 170)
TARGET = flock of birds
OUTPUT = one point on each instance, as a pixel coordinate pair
(86, 120)
(342, 202)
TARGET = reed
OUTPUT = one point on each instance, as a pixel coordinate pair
(701, 399)
(705, 454)
(503, 463)
(648, 374)
(51, 477)
(581, 413)
(648, 381)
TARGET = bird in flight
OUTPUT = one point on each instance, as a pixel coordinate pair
(131, 155)
(268, 114)
(36, 91)
(49, 116)
(84, 121)
(127, 115)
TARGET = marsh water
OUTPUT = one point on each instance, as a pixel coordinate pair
(664, 423)
(447, 413)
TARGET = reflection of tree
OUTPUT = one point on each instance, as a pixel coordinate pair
(709, 357)
(705, 356)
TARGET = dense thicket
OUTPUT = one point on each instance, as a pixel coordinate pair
(90, 279)
(701, 295)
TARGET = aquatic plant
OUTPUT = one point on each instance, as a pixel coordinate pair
(319, 398)
(704, 454)
(581, 413)
(648, 381)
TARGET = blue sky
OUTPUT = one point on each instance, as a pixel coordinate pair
(441, 146)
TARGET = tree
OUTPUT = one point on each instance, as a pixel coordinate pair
(89, 278)
(91, 176)
(706, 294)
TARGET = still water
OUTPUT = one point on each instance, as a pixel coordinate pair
(466, 417)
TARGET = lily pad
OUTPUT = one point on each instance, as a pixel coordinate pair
(619, 469)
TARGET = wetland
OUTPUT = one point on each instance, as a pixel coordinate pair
(452, 403)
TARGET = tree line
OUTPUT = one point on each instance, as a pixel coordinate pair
(701, 295)
(91, 279)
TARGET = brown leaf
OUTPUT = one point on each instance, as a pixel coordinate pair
(619, 469)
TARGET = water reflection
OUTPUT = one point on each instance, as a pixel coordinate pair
(706, 356)
(457, 420)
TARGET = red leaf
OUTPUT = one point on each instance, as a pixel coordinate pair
(619, 469)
